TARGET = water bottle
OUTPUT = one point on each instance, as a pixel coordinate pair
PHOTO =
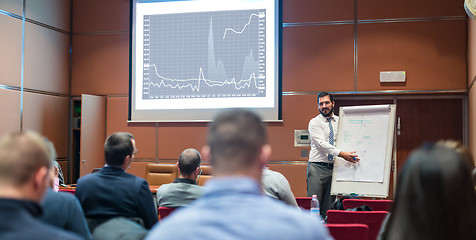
(315, 211)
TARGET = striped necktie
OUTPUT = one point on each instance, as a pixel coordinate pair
(331, 139)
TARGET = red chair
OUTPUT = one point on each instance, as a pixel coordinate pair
(72, 191)
(304, 202)
(348, 231)
(373, 219)
(376, 205)
(165, 211)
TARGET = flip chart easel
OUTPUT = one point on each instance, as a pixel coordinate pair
(368, 130)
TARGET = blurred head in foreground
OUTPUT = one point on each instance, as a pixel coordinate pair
(435, 197)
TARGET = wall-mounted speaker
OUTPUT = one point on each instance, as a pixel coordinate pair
(392, 77)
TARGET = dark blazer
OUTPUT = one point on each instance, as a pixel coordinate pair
(63, 210)
(18, 222)
(111, 192)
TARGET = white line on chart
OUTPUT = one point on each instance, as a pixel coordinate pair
(201, 76)
(261, 15)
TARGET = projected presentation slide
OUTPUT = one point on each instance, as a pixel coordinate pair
(193, 58)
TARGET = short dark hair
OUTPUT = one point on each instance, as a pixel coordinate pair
(235, 138)
(435, 197)
(323, 94)
(117, 147)
(189, 160)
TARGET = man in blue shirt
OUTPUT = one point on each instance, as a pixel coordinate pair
(233, 206)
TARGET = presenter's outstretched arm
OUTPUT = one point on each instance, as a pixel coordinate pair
(349, 156)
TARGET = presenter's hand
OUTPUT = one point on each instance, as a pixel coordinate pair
(349, 156)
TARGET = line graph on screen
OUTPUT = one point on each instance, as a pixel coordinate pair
(205, 54)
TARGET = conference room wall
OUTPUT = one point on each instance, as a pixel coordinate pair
(47, 115)
(10, 47)
(46, 65)
(375, 9)
(10, 112)
(100, 64)
(317, 11)
(432, 53)
(54, 13)
(471, 88)
(105, 16)
(100, 56)
(145, 134)
(12, 6)
(311, 54)
(318, 54)
(44, 104)
(317, 58)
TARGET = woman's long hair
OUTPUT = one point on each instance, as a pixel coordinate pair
(435, 197)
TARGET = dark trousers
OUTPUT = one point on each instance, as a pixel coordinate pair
(319, 179)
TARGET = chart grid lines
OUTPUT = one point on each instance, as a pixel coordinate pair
(205, 55)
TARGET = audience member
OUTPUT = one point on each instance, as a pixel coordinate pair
(62, 209)
(185, 188)
(59, 175)
(24, 177)
(275, 185)
(434, 199)
(111, 192)
(232, 205)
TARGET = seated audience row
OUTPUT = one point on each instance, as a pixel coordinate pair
(234, 204)
(185, 189)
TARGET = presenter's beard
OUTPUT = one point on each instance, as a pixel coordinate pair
(329, 111)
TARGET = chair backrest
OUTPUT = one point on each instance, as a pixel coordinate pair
(158, 174)
(165, 211)
(352, 231)
(376, 205)
(373, 219)
(304, 202)
(205, 175)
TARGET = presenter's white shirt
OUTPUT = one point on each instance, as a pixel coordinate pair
(319, 132)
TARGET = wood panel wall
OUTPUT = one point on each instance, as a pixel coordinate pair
(471, 82)
(36, 57)
(333, 46)
(337, 46)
